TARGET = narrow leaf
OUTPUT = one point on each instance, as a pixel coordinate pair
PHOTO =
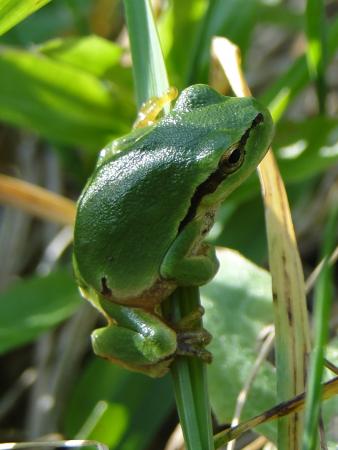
(14, 11)
(32, 306)
(322, 301)
(316, 51)
(150, 74)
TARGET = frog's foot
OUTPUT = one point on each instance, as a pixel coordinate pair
(192, 337)
(191, 320)
(191, 343)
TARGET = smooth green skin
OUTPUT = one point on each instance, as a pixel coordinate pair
(135, 241)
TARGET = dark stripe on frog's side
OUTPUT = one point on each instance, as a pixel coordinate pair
(215, 179)
(105, 290)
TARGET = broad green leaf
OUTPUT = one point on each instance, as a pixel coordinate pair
(97, 56)
(60, 101)
(140, 404)
(238, 304)
(91, 54)
(30, 307)
(14, 11)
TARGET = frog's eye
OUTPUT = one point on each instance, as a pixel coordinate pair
(232, 160)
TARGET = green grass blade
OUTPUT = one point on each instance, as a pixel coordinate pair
(14, 11)
(322, 300)
(190, 380)
(289, 85)
(316, 51)
(150, 75)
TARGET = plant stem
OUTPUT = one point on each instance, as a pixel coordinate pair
(150, 74)
(190, 380)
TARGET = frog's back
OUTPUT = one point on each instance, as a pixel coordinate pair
(131, 211)
(131, 214)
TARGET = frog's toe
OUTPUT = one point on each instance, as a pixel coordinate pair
(192, 337)
(184, 349)
(191, 320)
(192, 343)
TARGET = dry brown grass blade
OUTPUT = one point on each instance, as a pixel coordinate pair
(291, 321)
(36, 200)
(330, 389)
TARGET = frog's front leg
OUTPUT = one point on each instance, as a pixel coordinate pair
(189, 261)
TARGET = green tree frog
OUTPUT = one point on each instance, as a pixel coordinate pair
(143, 216)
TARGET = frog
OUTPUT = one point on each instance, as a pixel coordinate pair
(144, 215)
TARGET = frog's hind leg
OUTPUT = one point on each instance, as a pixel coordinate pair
(189, 261)
(152, 108)
(131, 350)
(135, 339)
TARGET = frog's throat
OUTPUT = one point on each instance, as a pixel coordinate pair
(215, 179)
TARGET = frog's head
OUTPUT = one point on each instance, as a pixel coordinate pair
(237, 135)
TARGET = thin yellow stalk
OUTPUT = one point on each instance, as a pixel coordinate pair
(36, 200)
